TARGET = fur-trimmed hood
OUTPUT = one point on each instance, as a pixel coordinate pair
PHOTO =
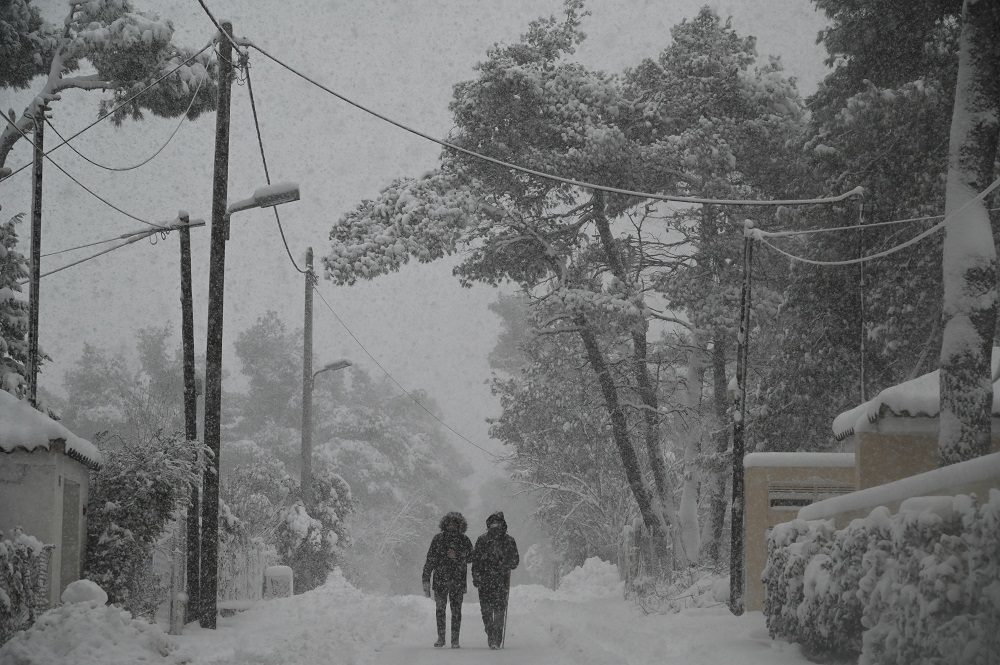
(456, 517)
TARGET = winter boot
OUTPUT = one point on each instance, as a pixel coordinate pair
(440, 642)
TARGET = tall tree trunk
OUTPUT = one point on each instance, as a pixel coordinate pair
(619, 433)
(969, 261)
(662, 498)
(687, 514)
(717, 477)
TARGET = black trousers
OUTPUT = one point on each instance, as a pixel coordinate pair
(441, 600)
(493, 602)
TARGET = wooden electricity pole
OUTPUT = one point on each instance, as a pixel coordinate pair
(36, 253)
(190, 422)
(737, 542)
(307, 382)
(213, 354)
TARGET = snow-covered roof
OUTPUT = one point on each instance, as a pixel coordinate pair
(917, 397)
(25, 428)
(799, 460)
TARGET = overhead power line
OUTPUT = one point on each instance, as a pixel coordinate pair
(267, 173)
(80, 184)
(760, 235)
(857, 191)
(143, 162)
(129, 239)
(107, 115)
(397, 383)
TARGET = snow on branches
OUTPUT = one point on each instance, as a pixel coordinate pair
(127, 49)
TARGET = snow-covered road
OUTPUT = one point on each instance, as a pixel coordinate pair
(339, 625)
(585, 622)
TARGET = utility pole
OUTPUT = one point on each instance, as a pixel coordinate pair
(736, 572)
(213, 354)
(190, 421)
(36, 252)
(307, 383)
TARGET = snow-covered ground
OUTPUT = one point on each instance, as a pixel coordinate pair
(586, 622)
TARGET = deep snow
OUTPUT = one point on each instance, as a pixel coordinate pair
(586, 622)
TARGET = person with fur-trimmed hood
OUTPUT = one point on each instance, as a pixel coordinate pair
(445, 573)
(494, 556)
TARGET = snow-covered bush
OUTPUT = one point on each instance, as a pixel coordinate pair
(132, 499)
(789, 550)
(922, 585)
(311, 541)
(263, 502)
(18, 580)
(939, 600)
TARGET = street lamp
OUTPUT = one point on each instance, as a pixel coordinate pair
(267, 197)
(329, 367)
(263, 197)
(307, 387)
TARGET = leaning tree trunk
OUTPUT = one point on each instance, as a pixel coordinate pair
(969, 261)
(663, 503)
(619, 433)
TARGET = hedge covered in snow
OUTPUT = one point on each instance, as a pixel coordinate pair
(18, 579)
(920, 586)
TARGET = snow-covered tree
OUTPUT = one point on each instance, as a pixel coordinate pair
(127, 50)
(13, 311)
(570, 249)
(20, 23)
(969, 258)
(132, 500)
(881, 120)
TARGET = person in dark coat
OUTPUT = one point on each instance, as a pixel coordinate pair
(445, 573)
(494, 556)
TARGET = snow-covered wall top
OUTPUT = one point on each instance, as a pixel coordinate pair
(799, 459)
(929, 483)
(22, 426)
(917, 397)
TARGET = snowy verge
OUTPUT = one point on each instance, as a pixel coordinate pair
(334, 623)
(89, 633)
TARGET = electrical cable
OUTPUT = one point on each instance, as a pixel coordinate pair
(122, 236)
(131, 237)
(756, 234)
(83, 186)
(857, 191)
(145, 161)
(267, 174)
(115, 108)
(787, 234)
(137, 238)
(397, 383)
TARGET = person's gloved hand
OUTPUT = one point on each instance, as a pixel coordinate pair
(427, 589)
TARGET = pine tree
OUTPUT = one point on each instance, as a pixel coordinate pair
(13, 311)
(127, 48)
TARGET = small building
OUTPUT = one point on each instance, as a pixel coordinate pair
(895, 434)
(776, 486)
(44, 478)
(892, 439)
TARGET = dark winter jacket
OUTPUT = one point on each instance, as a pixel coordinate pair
(494, 556)
(448, 556)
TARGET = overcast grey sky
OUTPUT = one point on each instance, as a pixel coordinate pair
(399, 56)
